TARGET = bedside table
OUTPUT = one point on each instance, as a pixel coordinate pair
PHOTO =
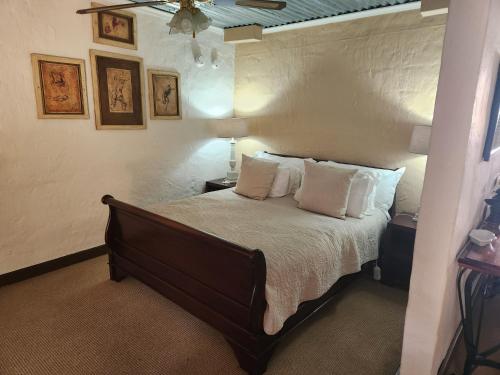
(218, 184)
(396, 251)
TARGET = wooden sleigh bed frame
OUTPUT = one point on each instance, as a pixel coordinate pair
(220, 282)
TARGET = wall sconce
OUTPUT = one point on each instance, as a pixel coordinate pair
(215, 58)
(197, 55)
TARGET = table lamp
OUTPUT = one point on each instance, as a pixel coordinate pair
(232, 128)
(419, 144)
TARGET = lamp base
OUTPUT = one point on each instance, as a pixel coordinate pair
(232, 176)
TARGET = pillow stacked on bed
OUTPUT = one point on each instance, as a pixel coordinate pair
(370, 188)
(361, 196)
(325, 189)
(256, 177)
(385, 186)
(274, 176)
(295, 167)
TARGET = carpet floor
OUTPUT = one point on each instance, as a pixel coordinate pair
(76, 321)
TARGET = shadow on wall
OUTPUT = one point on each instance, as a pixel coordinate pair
(352, 99)
(181, 172)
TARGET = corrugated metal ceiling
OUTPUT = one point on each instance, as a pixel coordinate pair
(295, 11)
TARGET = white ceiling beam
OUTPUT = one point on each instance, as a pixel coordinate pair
(243, 34)
(434, 7)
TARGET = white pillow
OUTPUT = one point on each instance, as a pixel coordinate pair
(362, 196)
(326, 189)
(281, 183)
(256, 177)
(385, 187)
(363, 192)
(361, 188)
(296, 166)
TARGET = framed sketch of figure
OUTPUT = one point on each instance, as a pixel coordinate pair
(118, 84)
(60, 87)
(116, 28)
(164, 95)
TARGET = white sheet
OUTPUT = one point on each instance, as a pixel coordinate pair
(306, 253)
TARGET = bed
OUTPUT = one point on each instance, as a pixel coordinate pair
(253, 270)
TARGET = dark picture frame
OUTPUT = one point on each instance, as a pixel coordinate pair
(116, 28)
(118, 83)
(492, 142)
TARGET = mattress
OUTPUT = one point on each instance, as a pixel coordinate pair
(306, 253)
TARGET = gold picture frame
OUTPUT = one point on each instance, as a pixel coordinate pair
(118, 83)
(60, 87)
(165, 100)
(117, 28)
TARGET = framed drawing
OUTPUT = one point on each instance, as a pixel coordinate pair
(115, 28)
(118, 83)
(164, 95)
(60, 87)
(492, 143)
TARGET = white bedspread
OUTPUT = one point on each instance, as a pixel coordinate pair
(306, 253)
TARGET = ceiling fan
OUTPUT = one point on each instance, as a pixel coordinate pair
(189, 19)
(260, 4)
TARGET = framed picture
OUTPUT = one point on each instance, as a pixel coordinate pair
(115, 28)
(164, 95)
(60, 87)
(118, 83)
(492, 143)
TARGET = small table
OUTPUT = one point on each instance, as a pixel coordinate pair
(218, 184)
(396, 251)
(480, 266)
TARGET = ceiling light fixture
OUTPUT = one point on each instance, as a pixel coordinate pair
(189, 19)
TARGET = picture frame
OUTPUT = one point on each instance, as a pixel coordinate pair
(117, 28)
(492, 141)
(60, 87)
(118, 83)
(165, 98)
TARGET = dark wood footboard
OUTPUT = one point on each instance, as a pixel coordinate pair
(218, 281)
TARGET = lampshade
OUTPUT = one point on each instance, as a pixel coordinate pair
(231, 128)
(420, 139)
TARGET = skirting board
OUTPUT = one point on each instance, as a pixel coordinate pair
(51, 265)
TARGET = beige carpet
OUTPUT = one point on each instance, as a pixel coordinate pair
(76, 321)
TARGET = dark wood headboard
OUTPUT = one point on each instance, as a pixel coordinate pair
(340, 162)
(392, 210)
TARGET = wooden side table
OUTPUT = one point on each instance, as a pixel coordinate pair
(396, 251)
(218, 184)
(480, 268)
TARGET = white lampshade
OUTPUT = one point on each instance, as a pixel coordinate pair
(420, 139)
(231, 128)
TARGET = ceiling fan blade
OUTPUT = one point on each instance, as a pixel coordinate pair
(262, 4)
(122, 6)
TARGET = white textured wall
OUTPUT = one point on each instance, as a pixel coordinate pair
(53, 172)
(349, 91)
(456, 182)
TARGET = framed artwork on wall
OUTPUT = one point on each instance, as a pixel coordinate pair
(60, 87)
(492, 143)
(164, 95)
(118, 83)
(116, 28)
